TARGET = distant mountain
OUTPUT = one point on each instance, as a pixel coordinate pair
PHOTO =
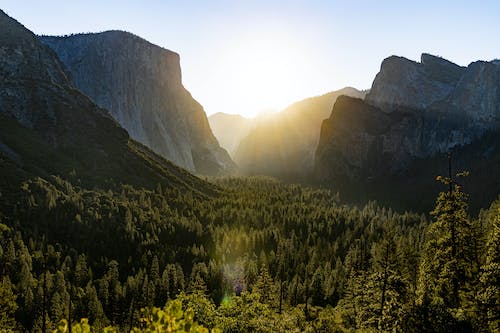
(140, 84)
(230, 129)
(414, 114)
(48, 127)
(283, 144)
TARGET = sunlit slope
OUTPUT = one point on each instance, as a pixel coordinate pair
(283, 144)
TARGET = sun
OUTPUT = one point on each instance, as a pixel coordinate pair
(263, 72)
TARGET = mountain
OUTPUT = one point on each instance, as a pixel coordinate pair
(140, 84)
(283, 144)
(402, 82)
(414, 114)
(230, 129)
(469, 94)
(48, 127)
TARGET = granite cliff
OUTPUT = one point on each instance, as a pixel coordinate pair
(48, 127)
(402, 82)
(414, 114)
(438, 86)
(140, 84)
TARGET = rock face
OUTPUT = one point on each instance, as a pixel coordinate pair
(413, 113)
(47, 127)
(361, 141)
(477, 94)
(405, 83)
(23, 63)
(283, 144)
(230, 129)
(441, 87)
(140, 84)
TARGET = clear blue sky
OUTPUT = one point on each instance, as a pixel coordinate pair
(245, 56)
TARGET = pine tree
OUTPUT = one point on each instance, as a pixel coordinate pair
(387, 285)
(283, 263)
(154, 272)
(355, 302)
(197, 280)
(56, 308)
(449, 249)
(8, 305)
(316, 287)
(81, 272)
(490, 278)
(264, 285)
(446, 268)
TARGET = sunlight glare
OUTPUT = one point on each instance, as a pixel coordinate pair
(263, 73)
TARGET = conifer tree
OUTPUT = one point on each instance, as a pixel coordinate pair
(490, 278)
(264, 285)
(386, 283)
(8, 305)
(446, 268)
(355, 298)
(449, 247)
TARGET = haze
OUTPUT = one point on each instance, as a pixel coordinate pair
(245, 57)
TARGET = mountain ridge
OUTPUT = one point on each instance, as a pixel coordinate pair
(140, 83)
(414, 113)
(48, 127)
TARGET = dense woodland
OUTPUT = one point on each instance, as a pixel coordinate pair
(255, 255)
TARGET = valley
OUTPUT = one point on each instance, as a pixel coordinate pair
(124, 208)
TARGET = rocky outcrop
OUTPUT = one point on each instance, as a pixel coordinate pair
(283, 144)
(436, 85)
(405, 83)
(140, 84)
(413, 113)
(477, 95)
(427, 108)
(361, 141)
(47, 127)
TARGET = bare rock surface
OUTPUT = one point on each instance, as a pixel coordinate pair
(140, 84)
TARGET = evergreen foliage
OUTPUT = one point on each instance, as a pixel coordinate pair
(258, 255)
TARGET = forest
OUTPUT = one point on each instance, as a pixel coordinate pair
(256, 255)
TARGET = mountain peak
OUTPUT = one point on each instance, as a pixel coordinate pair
(110, 36)
(440, 86)
(440, 69)
(405, 83)
(11, 29)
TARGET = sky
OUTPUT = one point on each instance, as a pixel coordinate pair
(249, 57)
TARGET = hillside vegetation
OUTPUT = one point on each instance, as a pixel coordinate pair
(257, 256)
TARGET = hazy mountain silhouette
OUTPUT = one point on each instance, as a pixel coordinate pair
(230, 129)
(280, 144)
